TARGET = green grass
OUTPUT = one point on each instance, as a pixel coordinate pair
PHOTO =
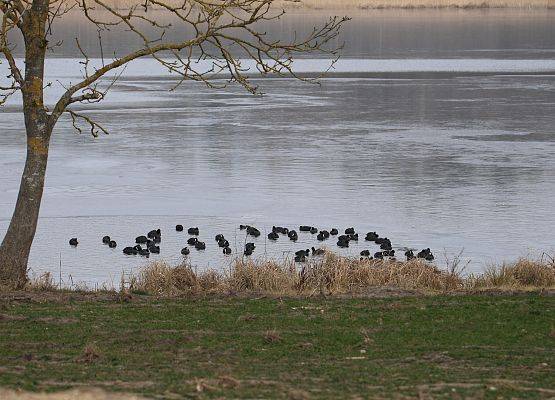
(443, 347)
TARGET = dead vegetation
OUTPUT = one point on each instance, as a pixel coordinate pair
(335, 275)
(328, 275)
(523, 274)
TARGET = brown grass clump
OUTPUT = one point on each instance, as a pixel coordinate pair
(162, 279)
(90, 354)
(42, 283)
(336, 275)
(272, 337)
(524, 273)
(331, 274)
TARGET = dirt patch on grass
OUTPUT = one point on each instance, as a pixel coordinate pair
(10, 318)
(53, 320)
(74, 394)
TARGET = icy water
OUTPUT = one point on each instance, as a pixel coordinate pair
(436, 130)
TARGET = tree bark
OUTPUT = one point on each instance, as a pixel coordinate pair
(16, 246)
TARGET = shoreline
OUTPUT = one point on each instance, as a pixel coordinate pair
(329, 275)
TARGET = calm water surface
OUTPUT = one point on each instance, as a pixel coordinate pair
(437, 130)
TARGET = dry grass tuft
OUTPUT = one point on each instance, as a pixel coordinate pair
(162, 279)
(272, 337)
(523, 274)
(42, 283)
(90, 354)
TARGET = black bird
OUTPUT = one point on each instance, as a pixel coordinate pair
(185, 251)
(343, 243)
(293, 235)
(227, 250)
(73, 242)
(313, 230)
(318, 252)
(192, 241)
(193, 231)
(251, 230)
(156, 232)
(157, 239)
(409, 254)
(371, 236)
(243, 227)
(300, 258)
(334, 232)
(382, 240)
(144, 253)
(200, 245)
(273, 235)
(130, 251)
(323, 235)
(389, 253)
(385, 246)
(349, 231)
(106, 240)
(378, 255)
(426, 254)
(141, 240)
(223, 243)
(305, 228)
(353, 236)
(112, 244)
(138, 248)
(250, 246)
(219, 237)
(248, 252)
(365, 253)
(154, 249)
(305, 253)
(279, 229)
(179, 228)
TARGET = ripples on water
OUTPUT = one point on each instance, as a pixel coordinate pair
(454, 157)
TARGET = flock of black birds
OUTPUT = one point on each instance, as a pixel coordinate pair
(149, 244)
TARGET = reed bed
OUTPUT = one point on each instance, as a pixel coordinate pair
(335, 275)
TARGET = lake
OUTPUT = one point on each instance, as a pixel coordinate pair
(436, 129)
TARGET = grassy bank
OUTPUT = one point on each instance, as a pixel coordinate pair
(427, 347)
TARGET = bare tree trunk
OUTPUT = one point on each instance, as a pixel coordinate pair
(16, 246)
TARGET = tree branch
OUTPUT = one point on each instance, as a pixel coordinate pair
(219, 32)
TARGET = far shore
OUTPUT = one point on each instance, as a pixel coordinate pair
(387, 4)
(416, 4)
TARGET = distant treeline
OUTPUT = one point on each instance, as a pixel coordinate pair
(387, 4)
(414, 4)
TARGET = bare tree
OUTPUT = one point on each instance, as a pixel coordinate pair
(221, 34)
